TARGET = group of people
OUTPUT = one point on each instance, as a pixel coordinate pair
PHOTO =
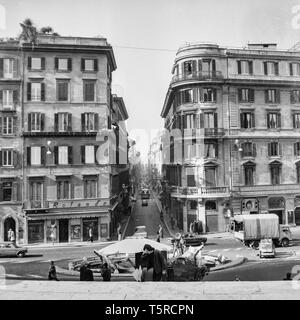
(86, 274)
(196, 227)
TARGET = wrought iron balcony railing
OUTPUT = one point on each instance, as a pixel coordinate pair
(199, 75)
(199, 191)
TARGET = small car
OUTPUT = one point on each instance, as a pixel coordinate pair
(10, 249)
(144, 202)
(140, 232)
(266, 248)
(194, 240)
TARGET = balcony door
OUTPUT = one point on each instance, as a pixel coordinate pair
(210, 176)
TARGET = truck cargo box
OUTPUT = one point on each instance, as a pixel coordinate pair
(259, 226)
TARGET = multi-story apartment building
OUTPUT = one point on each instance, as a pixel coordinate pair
(10, 141)
(238, 112)
(155, 159)
(56, 111)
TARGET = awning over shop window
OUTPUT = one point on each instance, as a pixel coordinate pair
(70, 215)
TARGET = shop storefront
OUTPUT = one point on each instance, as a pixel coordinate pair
(36, 232)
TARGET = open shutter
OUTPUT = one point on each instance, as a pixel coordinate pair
(184, 121)
(82, 64)
(194, 66)
(201, 120)
(15, 96)
(15, 68)
(82, 122)
(266, 68)
(254, 149)
(213, 66)
(240, 95)
(69, 122)
(241, 120)
(43, 63)
(239, 67)
(82, 154)
(250, 67)
(29, 63)
(69, 64)
(95, 154)
(266, 96)
(215, 120)
(0, 158)
(280, 148)
(56, 122)
(96, 121)
(42, 122)
(252, 120)
(15, 125)
(43, 93)
(277, 96)
(195, 95)
(29, 91)
(15, 155)
(276, 65)
(279, 120)
(56, 63)
(56, 155)
(29, 122)
(95, 64)
(294, 121)
(70, 155)
(269, 149)
(292, 97)
(1, 97)
(295, 149)
(43, 155)
(1, 184)
(28, 156)
(268, 121)
(1, 125)
(216, 150)
(1, 67)
(291, 69)
(251, 95)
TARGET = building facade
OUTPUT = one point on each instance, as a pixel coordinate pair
(59, 170)
(236, 114)
(10, 141)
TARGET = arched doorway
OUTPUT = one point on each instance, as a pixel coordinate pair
(9, 223)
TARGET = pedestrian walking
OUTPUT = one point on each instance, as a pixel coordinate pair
(106, 272)
(88, 274)
(158, 236)
(52, 272)
(91, 234)
(119, 232)
(288, 276)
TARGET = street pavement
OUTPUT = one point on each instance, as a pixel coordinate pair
(35, 265)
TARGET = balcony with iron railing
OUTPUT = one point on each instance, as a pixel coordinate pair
(199, 192)
(198, 75)
(205, 132)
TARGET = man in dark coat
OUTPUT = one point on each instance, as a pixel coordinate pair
(158, 260)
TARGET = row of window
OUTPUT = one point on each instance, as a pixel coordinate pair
(210, 174)
(209, 120)
(245, 95)
(63, 122)
(64, 187)
(244, 67)
(9, 66)
(248, 149)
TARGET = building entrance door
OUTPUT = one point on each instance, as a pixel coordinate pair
(63, 230)
(9, 223)
(297, 216)
(279, 213)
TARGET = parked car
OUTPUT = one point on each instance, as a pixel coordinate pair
(194, 240)
(10, 249)
(266, 248)
(144, 202)
(140, 232)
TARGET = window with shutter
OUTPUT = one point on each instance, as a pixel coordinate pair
(62, 90)
(63, 155)
(89, 91)
(35, 155)
(89, 154)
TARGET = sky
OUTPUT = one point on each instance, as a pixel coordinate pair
(145, 35)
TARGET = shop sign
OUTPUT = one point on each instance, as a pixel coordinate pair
(58, 204)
